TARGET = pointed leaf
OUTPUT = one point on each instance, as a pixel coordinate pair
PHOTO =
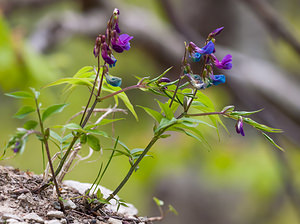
(20, 95)
(153, 113)
(30, 125)
(158, 202)
(72, 81)
(166, 109)
(272, 141)
(52, 110)
(93, 142)
(261, 127)
(24, 111)
(244, 113)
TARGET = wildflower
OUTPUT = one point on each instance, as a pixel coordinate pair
(109, 59)
(164, 79)
(121, 43)
(216, 32)
(196, 52)
(209, 48)
(97, 46)
(226, 62)
(17, 147)
(239, 126)
(218, 79)
(113, 80)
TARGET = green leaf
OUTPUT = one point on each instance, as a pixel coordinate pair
(97, 132)
(272, 141)
(173, 210)
(24, 111)
(83, 139)
(153, 113)
(29, 125)
(20, 95)
(165, 123)
(93, 142)
(72, 81)
(52, 110)
(158, 202)
(166, 109)
(244, 113)
(72, 126)
(86, 72)
(191, 122)
(56, 136)
(261, 127)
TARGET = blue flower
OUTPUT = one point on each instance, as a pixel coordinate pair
(218, 79)
(113, 80)
(209, 48)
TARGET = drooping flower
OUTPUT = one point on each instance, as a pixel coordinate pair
(164, 79)
(121, 43)
(113, 80)
(96, 50)
(17, 147)
(218, 79)
(226, 62)
(109, 59)
(239, 126)
(196, 81)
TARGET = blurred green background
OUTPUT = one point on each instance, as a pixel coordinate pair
(237, 180)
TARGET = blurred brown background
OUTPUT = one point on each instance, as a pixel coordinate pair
(239, 179)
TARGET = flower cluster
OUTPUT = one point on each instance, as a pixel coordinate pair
(112, 40)
(205, 55)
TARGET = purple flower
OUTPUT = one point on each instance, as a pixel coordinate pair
(117, 27)
(121, 43)
(209, 48)
(226, 62)
(17, 147)
(164, 79)
(216, 32)
(109, 59)
(197, 52)
(239, 126)
(218, 79)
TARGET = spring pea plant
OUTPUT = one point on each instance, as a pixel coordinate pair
(182, 111)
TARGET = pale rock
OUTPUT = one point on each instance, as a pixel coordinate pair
(63, 221)
(82, 187)
(55, 214)
(69, 204)
(11, 216)
(12, 221)
(54, 221)
(33, 217)
(114, 221)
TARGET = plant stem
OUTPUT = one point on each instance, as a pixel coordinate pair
(89, 100)
(134, 166)
(45, 141)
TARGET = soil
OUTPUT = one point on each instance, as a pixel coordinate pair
(19, 205)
